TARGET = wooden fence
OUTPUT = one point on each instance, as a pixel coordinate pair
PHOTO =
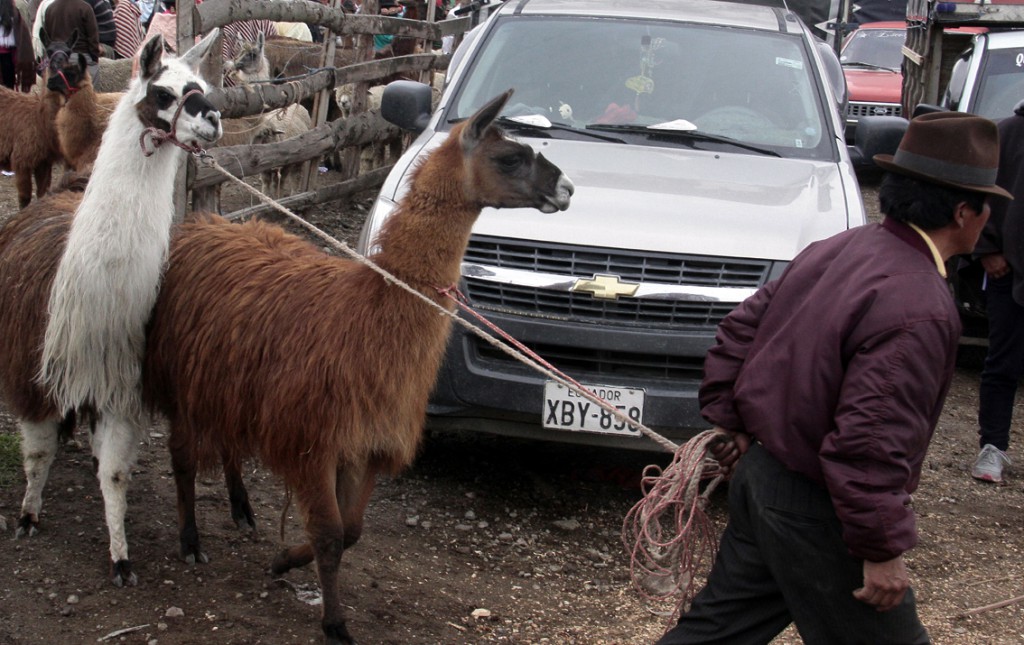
(362, 128)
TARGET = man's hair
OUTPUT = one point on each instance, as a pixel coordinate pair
(922, 203)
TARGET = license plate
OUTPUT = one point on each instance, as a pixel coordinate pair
(565, 409)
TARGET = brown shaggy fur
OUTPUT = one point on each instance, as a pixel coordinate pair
(263, 346)
(28, 140)
(31, 245)
(81, 122)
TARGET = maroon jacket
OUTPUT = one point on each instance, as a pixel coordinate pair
(840, 369)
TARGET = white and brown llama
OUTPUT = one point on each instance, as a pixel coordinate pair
(79, 273)
(263, 346)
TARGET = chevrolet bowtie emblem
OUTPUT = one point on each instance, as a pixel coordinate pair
(606, 287)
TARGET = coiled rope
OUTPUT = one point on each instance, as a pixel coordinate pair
(668, 532)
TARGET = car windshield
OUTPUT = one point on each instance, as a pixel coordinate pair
(875, 48)
(747, 86)
(1002, 85)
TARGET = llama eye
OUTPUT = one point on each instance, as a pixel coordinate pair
(510, 162)
(164, 96)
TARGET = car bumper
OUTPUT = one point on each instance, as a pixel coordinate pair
(481, 389)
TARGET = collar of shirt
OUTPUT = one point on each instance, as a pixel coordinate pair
(917, 238)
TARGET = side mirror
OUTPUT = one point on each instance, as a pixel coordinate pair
(876, 135)
(407, 104)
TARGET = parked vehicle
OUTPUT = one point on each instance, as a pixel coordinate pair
(871, 57)
(988, 77)
(705, 139)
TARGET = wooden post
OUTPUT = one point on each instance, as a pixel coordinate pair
(185, 41)
(364, 52)
(321, 104)
(427, 76)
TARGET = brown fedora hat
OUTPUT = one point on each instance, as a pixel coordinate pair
(952, 149)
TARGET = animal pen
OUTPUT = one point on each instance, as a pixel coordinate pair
(363, 127)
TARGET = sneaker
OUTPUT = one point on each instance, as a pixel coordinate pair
(989, 465)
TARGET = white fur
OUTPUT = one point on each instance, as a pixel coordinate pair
(104, 289)
(108, 278)
(39, 444)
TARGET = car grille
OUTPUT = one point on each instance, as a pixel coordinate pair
(577, 261)
(858, 110)
(599, 362)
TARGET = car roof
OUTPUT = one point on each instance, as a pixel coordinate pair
(713, 12)
(1003, 39)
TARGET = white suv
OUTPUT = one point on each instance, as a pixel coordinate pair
(705, 139)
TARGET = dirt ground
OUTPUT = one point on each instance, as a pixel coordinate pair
(484, 540)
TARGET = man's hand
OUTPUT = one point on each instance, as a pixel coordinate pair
(727, 447)
(995, 265)
(885, 584)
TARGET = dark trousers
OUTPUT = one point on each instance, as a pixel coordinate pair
(7, 69)
(1004, 363)
(782, 559)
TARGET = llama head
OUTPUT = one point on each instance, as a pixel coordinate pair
(503, 173)
(65, 69)
(249, 64)
(169, 94)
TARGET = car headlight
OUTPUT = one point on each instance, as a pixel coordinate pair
(381, 211)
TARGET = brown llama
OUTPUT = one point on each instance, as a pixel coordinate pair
(28, 139)
(79, 273)
(83, 118)
(263, 346)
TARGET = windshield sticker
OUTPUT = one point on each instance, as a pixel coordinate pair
(641, 84)
(789, 62)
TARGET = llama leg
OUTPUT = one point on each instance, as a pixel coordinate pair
(39, 444)
(353, 490)
(115, 446)
(23, 181)
(327, 536)
(44, 175)
(183, 464)
(241, 510)
(355, 486)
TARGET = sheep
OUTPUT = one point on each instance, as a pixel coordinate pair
(261, 345)
(83, 118)
(28, 139)
(79, 273)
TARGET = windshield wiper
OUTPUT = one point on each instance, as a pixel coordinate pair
(858, 63)
(680, 134)
(541, 124)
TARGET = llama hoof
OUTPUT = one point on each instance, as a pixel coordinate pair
(122, 574)
(198, 556)
(337, 635)
(244, 520)
(28, 526)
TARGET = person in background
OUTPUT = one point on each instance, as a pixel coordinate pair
(17, 69)
(382, 42)
(826, 386)
(1001, 253)
(128, 24)
(105, 27)
(71, 21)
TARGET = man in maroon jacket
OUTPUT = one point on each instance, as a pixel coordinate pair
(829, 382)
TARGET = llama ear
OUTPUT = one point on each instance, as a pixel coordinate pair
(73, 40)
(151, 56)
(194, 57)
(260, 41)
(44, 37)
(473, 133)
(82, 62)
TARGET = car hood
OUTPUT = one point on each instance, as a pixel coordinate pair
(678, 200)
(873, 85)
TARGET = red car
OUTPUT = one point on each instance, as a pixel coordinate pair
(871, 57)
